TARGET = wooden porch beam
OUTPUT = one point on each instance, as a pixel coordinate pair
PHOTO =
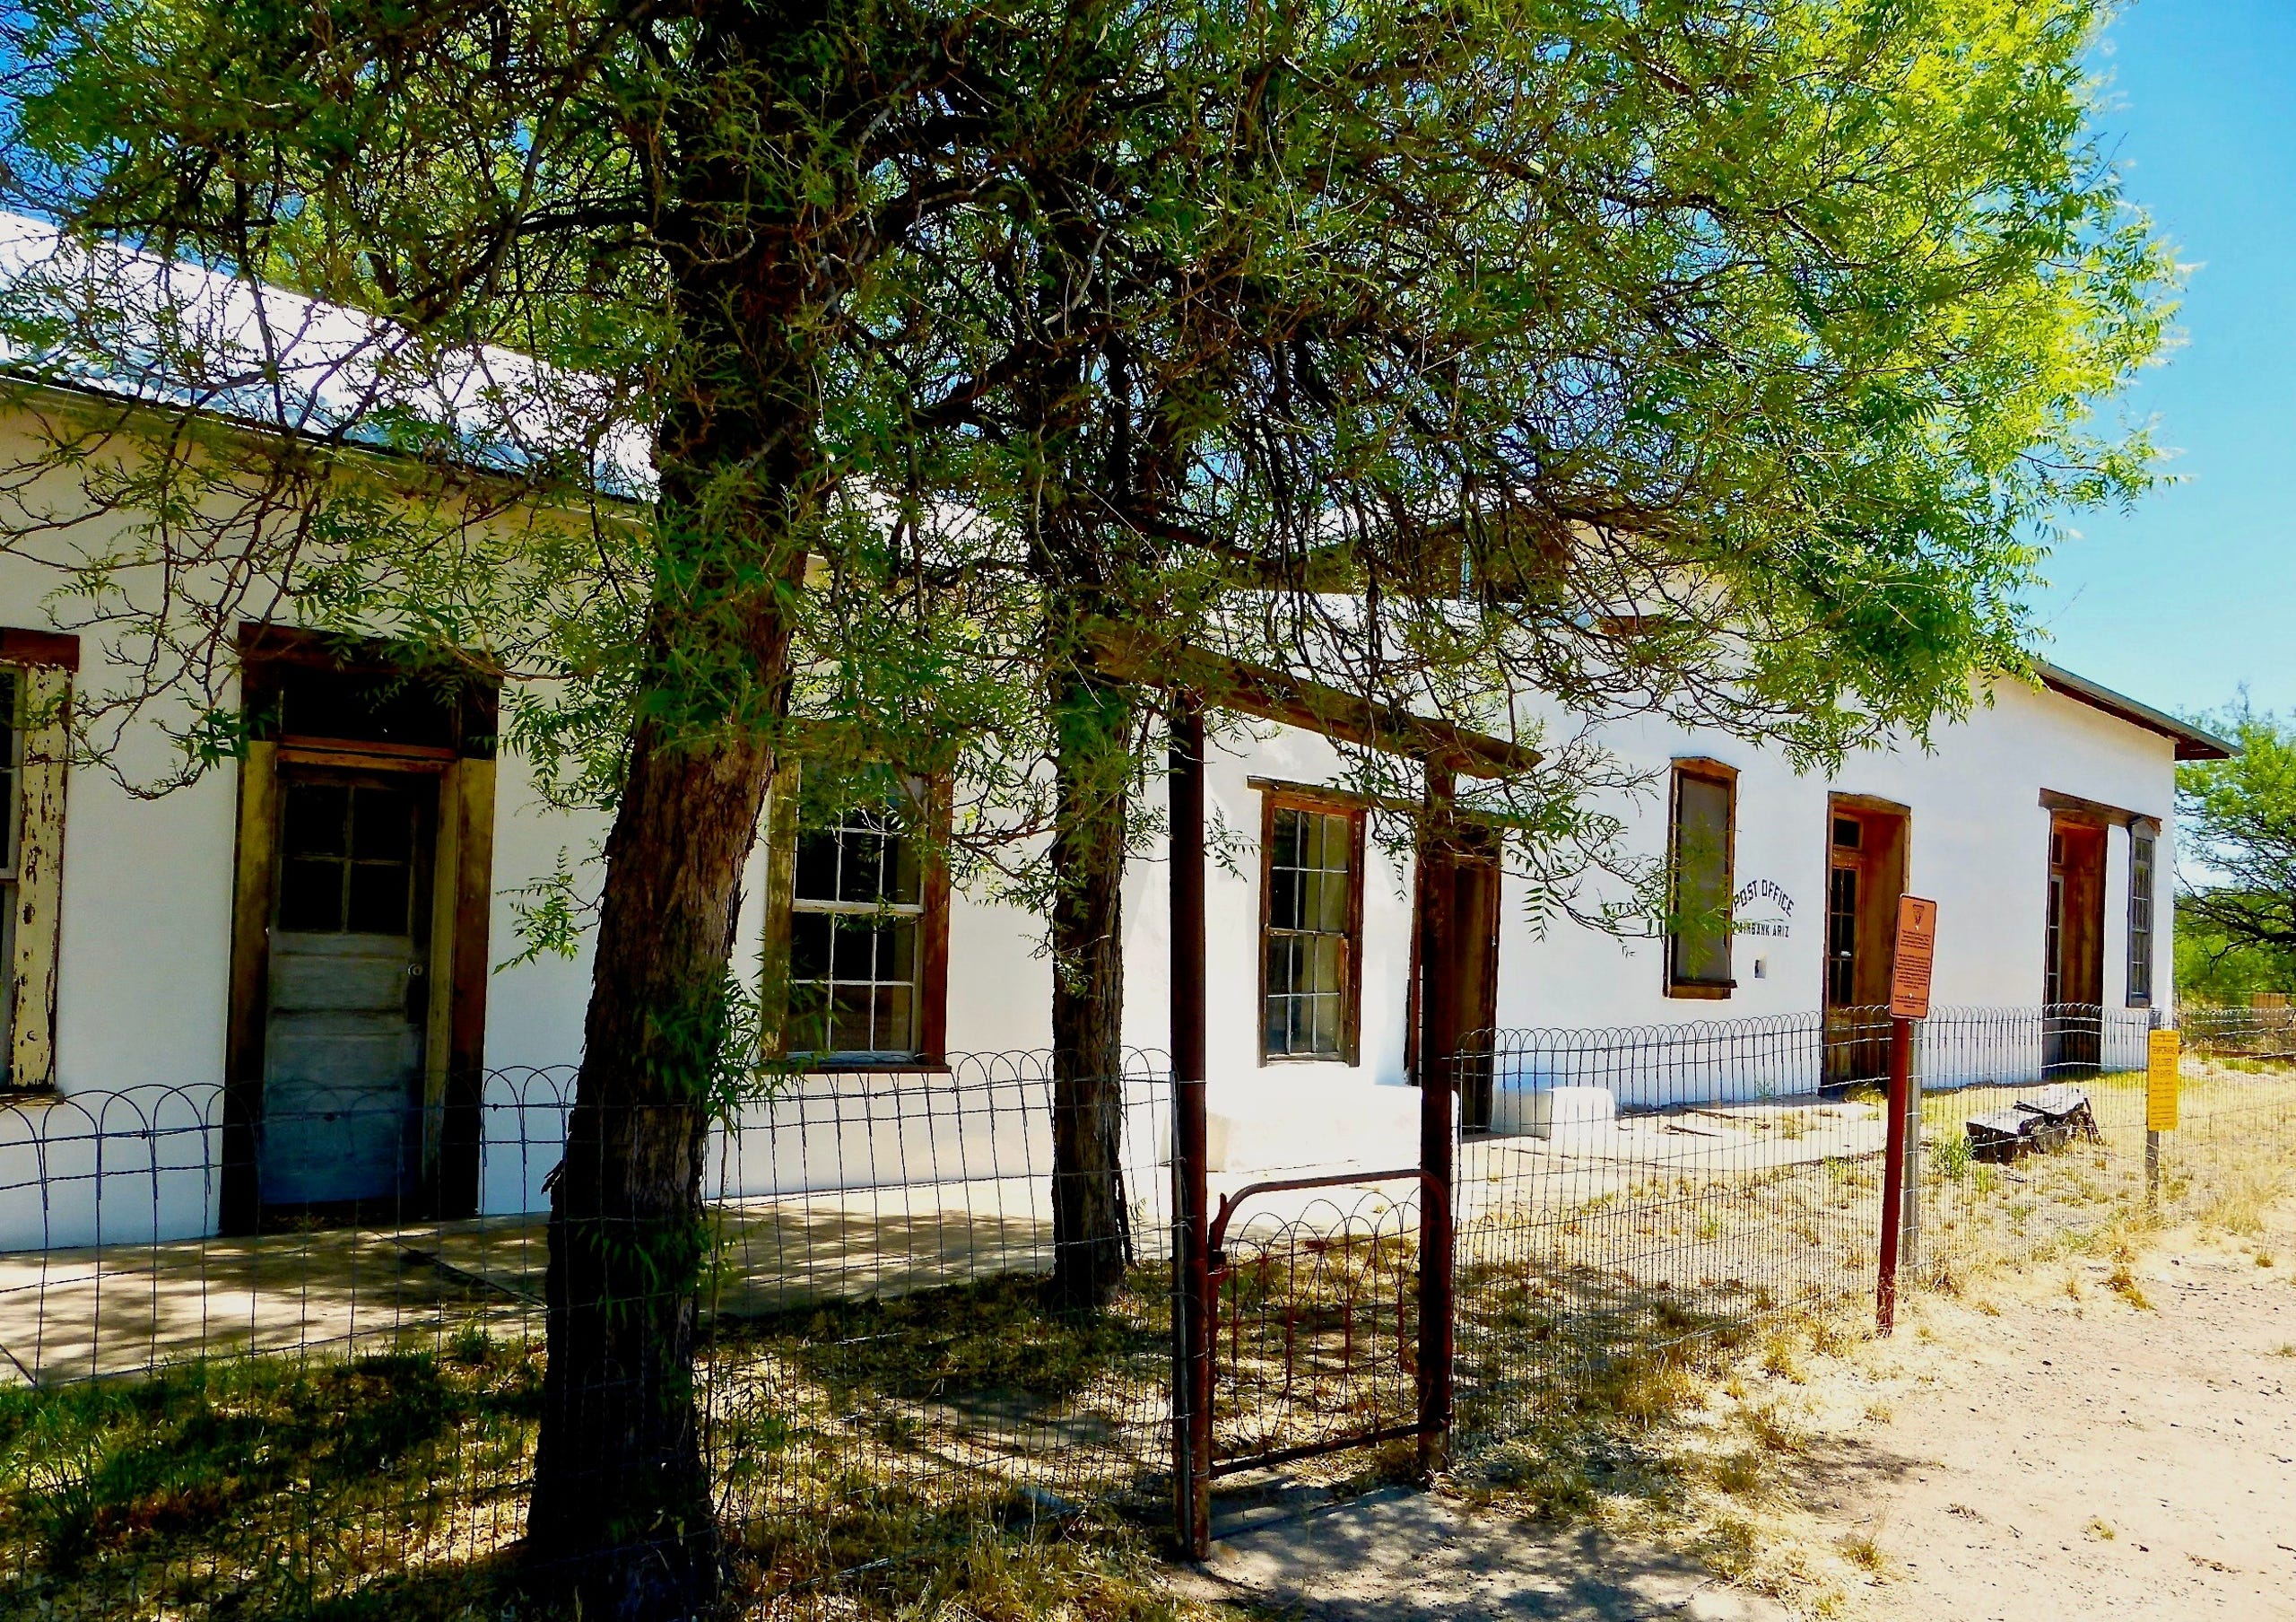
(1218, 681)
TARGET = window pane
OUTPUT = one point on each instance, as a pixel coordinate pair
(312, 819)
(897, 950)
(849, 1020)
(1286, 853)
(816, 878)
(861, 873)
(378, 898)
(382, 824)
(310, 896)
(809, 938)
(905, 884)
(1283, 898)
(1332, 913)
(1326, 970)
(896, 1029)
(809, 1018)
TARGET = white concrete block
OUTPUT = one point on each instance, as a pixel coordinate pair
(1554, 1111)
(1274, 1123)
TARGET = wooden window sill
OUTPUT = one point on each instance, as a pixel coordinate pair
(1698, 992)
(921, 1067)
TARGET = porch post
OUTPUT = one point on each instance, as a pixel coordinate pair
(1191, 1332)
(1439, 1046)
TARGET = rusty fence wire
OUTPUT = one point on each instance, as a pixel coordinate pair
(1631, 1201)
(217, 1403)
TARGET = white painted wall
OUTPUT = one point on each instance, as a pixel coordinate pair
(1979, 848)
(145, 958)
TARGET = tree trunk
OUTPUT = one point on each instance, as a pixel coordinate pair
(621, 1512)
(1092, 1242)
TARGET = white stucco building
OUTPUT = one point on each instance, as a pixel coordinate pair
(272, 926)
(282, 989)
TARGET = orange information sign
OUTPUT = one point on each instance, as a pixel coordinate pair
(1916, 951)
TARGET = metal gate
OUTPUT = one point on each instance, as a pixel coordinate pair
(1313, 1309)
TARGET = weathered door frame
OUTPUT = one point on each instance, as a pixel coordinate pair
(2075, 1037)
(462, 897)
(1854, 1054)
(1476, 861)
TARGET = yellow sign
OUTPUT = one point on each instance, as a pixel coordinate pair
(2161, 1082)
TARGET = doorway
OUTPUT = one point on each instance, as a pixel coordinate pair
(358, 954)
(2072, 960)
(1865, 874)
(1475, 870)
(347, 1006)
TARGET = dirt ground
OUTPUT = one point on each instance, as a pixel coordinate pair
(2098, 1438)
(2111, 1433)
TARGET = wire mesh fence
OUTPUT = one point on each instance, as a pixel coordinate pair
(1648, 1194)
(1981, 1068)
(332, 1409)
(1648, 1198)
(335, 1411)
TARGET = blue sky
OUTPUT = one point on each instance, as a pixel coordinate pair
(2193, 592)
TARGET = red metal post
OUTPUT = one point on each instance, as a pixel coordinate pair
(1439, 1047)
(1886, 1296)
(1191, 1215)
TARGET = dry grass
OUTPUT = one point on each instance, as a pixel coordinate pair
(954, 1434)
(1646, 1358)
(1706, 1438)
(377, 1486)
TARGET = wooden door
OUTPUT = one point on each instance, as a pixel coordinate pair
(346, 1013)
(1865, 873)
(2074, 946)
(1474, 912)
(1474, 907)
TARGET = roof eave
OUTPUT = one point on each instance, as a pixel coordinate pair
(2193, 743)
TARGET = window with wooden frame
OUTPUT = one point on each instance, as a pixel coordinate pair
(36, 670)
(1311, 927)
(2143, 843)
(857, 924)
(1700, 840)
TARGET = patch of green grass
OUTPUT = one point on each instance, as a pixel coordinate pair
(253, 1486)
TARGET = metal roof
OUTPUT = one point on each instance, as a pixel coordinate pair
(2192, 743)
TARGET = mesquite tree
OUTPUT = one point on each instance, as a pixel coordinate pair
(1720, 361)
(2237, 821)
(609, 257)
(1535, 363)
